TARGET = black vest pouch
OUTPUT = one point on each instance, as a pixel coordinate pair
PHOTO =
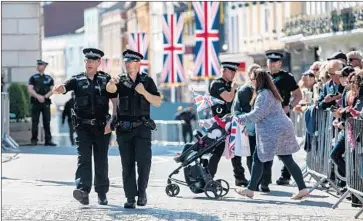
(144, 106)
(123, 105)
(82, 102)
(101, 100)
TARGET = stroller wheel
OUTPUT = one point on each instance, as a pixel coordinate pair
(172, 189)
(224, 186)
(213, 189)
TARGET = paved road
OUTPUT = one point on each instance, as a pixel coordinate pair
(37, 184)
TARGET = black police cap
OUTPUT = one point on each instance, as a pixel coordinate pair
(130, 55)
(233, 66)
(274, 55)
(93, 53)
(41, 62)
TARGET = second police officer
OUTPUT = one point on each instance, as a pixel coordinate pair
(40, 88)
(136, 91)
(223, 89)
(92, 124)
(287, 86)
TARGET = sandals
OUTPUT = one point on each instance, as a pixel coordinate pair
(301, 194)
(244, 192)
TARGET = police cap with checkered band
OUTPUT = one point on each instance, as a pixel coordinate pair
(93, 53)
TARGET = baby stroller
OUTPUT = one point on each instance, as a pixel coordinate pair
(194, 162)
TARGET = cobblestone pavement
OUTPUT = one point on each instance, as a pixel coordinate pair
(37, 184)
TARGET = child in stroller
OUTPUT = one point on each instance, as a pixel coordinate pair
(194, 161)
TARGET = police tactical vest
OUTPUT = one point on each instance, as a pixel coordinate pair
(131, 103)
(91, 96)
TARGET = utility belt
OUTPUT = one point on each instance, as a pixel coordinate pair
(76, 121)
(123, 125)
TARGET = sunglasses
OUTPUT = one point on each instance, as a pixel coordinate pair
(316, 69)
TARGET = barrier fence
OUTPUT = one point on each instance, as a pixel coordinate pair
(354, 162)
(6, 141)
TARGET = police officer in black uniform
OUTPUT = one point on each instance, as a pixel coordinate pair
(287, 86)
(136, 91)
(40, 88)
(93, 126)
(223, 89)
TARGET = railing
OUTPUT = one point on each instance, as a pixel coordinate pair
(168, 133)
(318, 163)
(354, 161)
(7, 142)
(344, 20)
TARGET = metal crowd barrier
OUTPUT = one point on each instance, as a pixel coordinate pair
(353, 161)
(7, 142)
(318, 163)
(168, 132)
(299, 123)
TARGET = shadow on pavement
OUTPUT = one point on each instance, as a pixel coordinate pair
(158, 213)
(272, 202)
(113, 151)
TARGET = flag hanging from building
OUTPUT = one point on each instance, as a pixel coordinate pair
(173, 70)
(139, 41)
(207, 40)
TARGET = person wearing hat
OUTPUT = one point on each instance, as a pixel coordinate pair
(355, 59)
(338, 56)
(92, 124)
(287, 87)
(225, 88)
(136, 92)
(40, 89)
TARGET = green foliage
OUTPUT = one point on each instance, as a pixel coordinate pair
(18, 101)
(28, 106)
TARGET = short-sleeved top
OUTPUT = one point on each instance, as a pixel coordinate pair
(91, 97)
(216, 88)
(126, 91)
(285, 83)
(42, 85)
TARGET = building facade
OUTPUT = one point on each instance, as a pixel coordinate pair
(21, 39)
(113, 28)
(254, 28)
(324, 28)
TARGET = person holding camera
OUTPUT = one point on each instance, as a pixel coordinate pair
(136, 91)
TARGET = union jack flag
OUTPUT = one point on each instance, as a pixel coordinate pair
(206, 101)
(230, 144)
(140, 42)
(207, 40)
(173, 71)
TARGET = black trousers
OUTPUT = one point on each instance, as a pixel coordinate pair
(135, 146)
(92, 137)
(187, 130)
(238, 170)
(43, 108)
(267, 166)
(71, 132)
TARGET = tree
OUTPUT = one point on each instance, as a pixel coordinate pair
(17, 99)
